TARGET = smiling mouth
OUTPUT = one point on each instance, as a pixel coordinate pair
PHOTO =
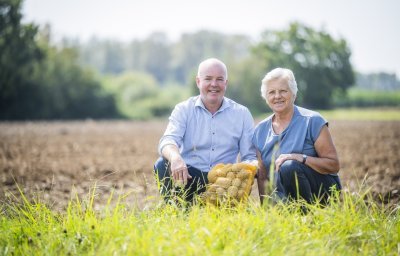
(279, 103)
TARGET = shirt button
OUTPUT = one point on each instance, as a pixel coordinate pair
(213, 133)
(212, 149)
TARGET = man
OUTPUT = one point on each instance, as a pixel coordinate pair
(203, 131)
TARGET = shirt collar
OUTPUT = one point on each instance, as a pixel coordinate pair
(225, 104)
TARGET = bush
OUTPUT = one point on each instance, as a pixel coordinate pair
(367, 98)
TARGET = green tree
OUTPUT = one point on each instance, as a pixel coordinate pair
(320, 63)
(130, 90)
(113, 58)
(18, 55)
(70, 91)
(40, 81)
(195, 47)
(245, 81)
(156, 56)
(378, 81)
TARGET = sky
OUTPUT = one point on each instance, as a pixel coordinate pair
(370, 27)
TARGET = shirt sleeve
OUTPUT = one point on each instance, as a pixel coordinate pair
(317, 122)
(175, 130)
(247, 149)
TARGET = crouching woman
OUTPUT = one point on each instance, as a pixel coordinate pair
(296, 142)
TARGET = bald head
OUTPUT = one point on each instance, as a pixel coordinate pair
(212, 62)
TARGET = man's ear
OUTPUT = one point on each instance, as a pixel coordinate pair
(197, 81)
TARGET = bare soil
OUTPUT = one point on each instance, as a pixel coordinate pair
(53, 162)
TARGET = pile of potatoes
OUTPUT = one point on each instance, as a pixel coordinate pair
(229, 183)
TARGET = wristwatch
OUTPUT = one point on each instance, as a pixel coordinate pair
(304, 159)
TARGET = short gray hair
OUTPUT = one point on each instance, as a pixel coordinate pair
(278, 73)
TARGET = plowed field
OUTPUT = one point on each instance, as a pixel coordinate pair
(54, 161)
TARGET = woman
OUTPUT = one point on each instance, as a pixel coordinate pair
(296, 142)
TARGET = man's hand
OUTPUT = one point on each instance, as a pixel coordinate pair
(179, 171)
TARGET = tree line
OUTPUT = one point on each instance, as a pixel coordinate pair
(42, 81)
(146, 78)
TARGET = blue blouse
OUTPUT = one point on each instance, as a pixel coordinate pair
(299, 137)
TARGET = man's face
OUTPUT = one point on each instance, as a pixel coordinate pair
(212, 83)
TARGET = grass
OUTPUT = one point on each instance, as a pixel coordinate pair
(351, 225)
(356, 114)
(368, 98)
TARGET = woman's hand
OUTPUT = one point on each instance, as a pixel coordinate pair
(325, 162)
(283, 157)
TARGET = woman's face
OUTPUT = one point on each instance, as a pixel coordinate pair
(279, 97)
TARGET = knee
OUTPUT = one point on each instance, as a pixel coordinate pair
(160, 167)
(289, 169)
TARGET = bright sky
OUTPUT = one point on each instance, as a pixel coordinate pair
(371, 27)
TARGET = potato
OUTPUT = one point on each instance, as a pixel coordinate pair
(237, 182)
(224, 170)
(244, 184)
(220, 191)
(229, 183)
(212, 198)
(212, 188)
(212, 176)
(223, 182)
(246, 166)
(240, 193)
(243, 174)
(236, 168)
(232, 191)
(231, 175)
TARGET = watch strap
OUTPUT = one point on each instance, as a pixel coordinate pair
(304, 158)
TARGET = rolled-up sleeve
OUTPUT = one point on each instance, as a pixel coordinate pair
(175, 131)
(247, 149)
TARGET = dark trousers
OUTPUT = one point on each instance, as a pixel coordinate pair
(294, 180)
(195, 185)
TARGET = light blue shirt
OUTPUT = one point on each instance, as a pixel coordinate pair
(299, 137)
(206, 139)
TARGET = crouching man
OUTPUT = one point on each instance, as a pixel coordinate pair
(203, 131)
